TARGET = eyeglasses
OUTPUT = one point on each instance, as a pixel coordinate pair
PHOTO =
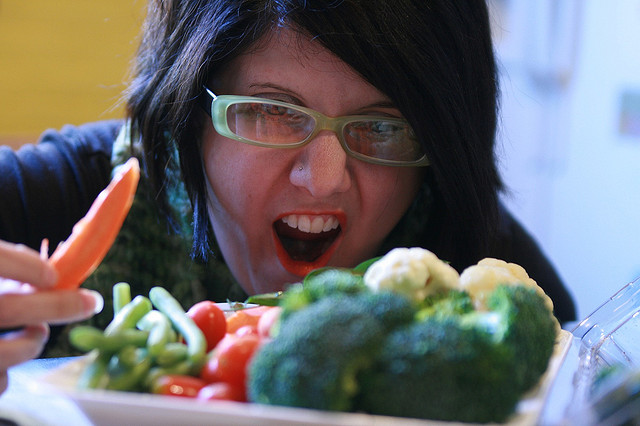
(268, 123)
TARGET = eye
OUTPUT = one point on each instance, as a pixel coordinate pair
(270, 109)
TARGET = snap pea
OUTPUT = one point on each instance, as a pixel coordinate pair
(196, 341)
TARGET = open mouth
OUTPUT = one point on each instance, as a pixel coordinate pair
(305, 242)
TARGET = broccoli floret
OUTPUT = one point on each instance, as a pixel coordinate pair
(438, 369)
(471, 366)
(446, 303)
(343, 347)
(530, 330)
(315, 358)
(318, 284)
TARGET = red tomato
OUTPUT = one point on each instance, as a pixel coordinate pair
(249, 316)
(267, 320)
(222, 391)
(246, 329)
(178, 385)
(229, 360)
(211, 320)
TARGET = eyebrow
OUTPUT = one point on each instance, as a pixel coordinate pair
(381, 104)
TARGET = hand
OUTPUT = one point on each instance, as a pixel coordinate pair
(28, 304)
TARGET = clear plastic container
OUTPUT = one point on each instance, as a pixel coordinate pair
(607, 381)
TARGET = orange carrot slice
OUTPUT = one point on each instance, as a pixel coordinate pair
(92, 237)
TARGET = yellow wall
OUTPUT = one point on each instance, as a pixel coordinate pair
(63, 61)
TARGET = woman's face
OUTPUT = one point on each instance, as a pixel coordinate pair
(266, 205)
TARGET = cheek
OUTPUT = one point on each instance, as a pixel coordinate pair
(224, 165)
(390, 192)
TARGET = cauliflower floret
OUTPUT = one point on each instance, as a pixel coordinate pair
(481, 279)
(414, 272)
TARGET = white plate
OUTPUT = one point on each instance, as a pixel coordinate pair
(118, 408)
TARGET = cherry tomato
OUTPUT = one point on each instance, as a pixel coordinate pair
(221, 391)
(249, 316)
(211, 320)
(229, 360)
(267, 320)
(246, 329)
(178, 385)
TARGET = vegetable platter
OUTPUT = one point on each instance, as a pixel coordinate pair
(480, 346)
(104, 407)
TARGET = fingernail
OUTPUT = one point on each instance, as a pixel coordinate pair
(93, 301)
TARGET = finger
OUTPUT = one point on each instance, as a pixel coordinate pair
(53, 307)
(21, 263)
(20, 346)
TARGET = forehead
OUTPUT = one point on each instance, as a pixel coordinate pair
(288, 55)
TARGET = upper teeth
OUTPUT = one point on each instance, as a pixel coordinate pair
(312, 224)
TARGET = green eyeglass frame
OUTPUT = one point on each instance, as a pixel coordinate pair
(217, 107)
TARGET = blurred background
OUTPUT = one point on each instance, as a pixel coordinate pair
(570, 135)
(63, 61)
(569, 138)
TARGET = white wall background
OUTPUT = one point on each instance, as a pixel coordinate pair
(574, 173)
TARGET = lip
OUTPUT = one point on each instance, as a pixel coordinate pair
(301, 268)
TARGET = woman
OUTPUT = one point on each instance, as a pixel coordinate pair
(416, 167)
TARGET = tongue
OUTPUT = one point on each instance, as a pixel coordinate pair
(304, 246)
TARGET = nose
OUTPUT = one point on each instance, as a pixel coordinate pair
(321, 167)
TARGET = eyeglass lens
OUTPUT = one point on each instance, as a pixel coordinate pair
(276, 124)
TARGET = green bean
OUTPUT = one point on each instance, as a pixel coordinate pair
(171, 354)
(183, 367)
(95, 375)
(121, 296)
(127, 357)
(87, 338)
(129, 315)
(132, 378)
(196, 341)
(160, 331)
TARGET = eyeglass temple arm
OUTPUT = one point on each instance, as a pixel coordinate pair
(205, 99)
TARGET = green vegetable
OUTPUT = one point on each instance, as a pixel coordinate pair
(353, 350)
(316, 357)
(160, 331)
(129, 315)
(133, 377)
(265, 299)
(87, 338)
(530, 330)
(171, 354)
(95, 375)
(318, 284)
(137, 342)
(463, 365)
(121, 296)
(196, 342)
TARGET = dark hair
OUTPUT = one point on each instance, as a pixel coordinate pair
(433, 58)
